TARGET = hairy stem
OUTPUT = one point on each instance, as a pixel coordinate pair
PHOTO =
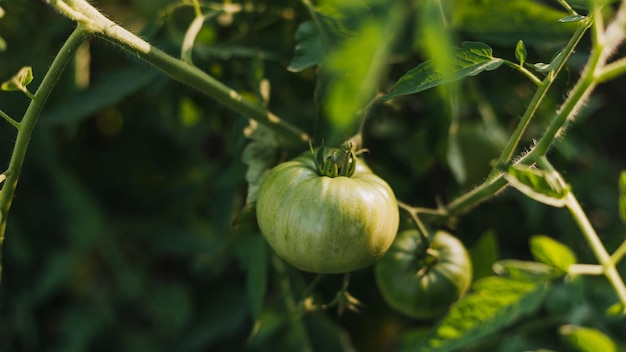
(96, 23)
(511, 146)
(27, 124)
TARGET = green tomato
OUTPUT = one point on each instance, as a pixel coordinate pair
(423, 282)
(327, 224)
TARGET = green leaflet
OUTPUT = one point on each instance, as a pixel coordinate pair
(587, 339)
(19, 82)
(540, 185)
(495, 303)
(470, 59)
(552, 252)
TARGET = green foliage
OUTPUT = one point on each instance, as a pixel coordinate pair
(494, 303)
(586, 339)
(133, 228)
(470, 59)
(19, 82)
(548, 251)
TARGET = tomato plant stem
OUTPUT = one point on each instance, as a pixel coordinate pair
(98, 24)
(610, 271)
(619, 253)
(513, 142)
(28, 122)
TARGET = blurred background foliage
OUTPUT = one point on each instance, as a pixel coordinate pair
(128, 230)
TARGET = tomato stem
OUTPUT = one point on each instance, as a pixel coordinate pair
(423, 232)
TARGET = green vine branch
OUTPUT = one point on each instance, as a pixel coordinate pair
(605, 42)
(98, 24)
(26, 126)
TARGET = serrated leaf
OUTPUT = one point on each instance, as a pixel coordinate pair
(538, 184)
(494, 303)
(520, 52)
(315, 38)
(622, 196)
(470, 59)
(585, 339)
(19, 82)
(310, 48)
(552, 252)
(259, 155)
(523, 270)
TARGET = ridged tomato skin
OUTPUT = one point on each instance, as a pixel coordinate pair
(326, 224)
(423, 292)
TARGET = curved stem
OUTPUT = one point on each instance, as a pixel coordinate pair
(422, 229)
(96, 23)
(28, 124)
(610, 271)
(524, 71)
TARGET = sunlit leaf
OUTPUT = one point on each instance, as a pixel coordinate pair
(470, 59)
(19, 82)
(549, 251)
(523, 270)
(585, 339)
(520, 52)
(494, 303)
(538, 184)
(572, 18)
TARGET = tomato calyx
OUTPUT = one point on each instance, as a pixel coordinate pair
(426, 261)
(333, 162)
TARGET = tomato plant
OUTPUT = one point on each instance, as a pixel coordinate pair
(423, 278)
(326, 212)
(142, 134)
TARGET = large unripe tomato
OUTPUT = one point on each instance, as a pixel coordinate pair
(423, 281)
(327, 224)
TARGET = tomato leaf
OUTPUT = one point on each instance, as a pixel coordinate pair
(622, 196)
(587, 339)
(495, 303)
(549, 251)
(259, 155)
(572, 18)
(520, 52)
(540, 185)
(315, 38)
(19, 82)
(523, 270)
(470, 59)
